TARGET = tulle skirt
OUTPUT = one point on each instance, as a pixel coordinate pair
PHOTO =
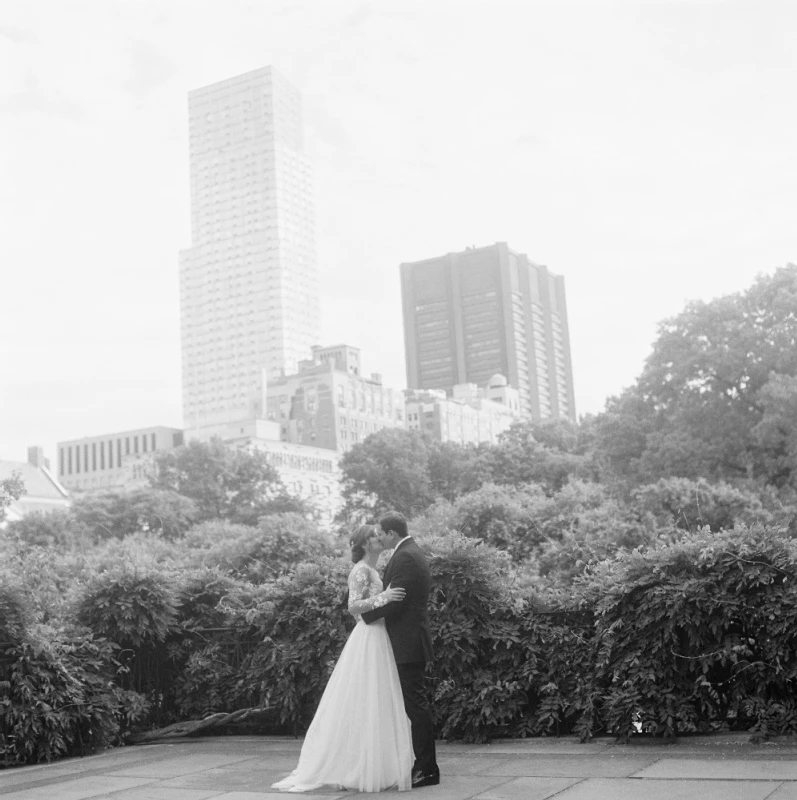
(360, 736)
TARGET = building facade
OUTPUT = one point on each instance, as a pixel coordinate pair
(249, 293)
(471, 416)
(115, 460)
(488, 310)
(42, 490)
(311, 473)
(330, 404)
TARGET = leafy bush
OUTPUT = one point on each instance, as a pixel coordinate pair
(694, 504)
(691, 632)
(49, 529)
(277, 544)
(118, 514)
(482, 664)
(15, 615)
(555, 535)
(303, 622)
(694, 635)
(503, 516)
(131, 605)
(61, 699)
(212, 649)
(507, 663)
(136, 607)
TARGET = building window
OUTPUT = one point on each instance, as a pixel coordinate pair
(135, 445)
(153, 441)
(102, 456)
(61, 469)
(118, 452)
(127, 445)
(110, 454)
(93, 457)
(144, 443)
(77, 459)
(85, 458)
(69, 460)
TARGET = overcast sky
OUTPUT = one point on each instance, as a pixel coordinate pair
(644, 150)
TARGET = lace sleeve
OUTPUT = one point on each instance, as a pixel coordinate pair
(359, 589)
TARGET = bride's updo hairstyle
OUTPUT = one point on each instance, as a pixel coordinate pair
(359, 540)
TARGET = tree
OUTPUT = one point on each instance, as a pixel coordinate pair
(699, 407)
(520, 458)
(50, 529)
(776, 432)
(224, 482)
(694, 504)
(456, 470)
(119, 514)
(621, 435)
(12, 488)
(388, 471)
(552, 534)
(406, 471)
(505, 517)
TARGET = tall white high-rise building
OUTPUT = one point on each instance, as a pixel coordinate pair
(249, 292)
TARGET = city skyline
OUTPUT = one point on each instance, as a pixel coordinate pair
(643, 152)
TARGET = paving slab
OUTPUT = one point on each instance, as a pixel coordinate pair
(179, 765)
(274, 796)
(455, 787)
(74, 766)
(546, 746)
(230, 779)
(528, 789)
(77, 789)
(614, 789)
(706, 769)
(606, 766)
(786, 791)
(157, 791)
(466, 765)
(243, 768)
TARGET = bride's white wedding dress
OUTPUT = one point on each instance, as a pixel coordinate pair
(360, 735)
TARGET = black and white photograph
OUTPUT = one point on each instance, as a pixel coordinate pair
(398, 396)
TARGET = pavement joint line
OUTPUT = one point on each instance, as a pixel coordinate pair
(567, 788)
(777, 788)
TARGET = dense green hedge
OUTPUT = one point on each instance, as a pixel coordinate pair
(691, 635)
(686, 637)
(60, 689)
(694, 635)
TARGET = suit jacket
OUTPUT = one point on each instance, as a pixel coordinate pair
(407, 621)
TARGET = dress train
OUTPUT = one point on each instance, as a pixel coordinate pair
(360, 735)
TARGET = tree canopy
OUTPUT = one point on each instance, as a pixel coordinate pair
(716, 396)
(12, 488)
(237, 485)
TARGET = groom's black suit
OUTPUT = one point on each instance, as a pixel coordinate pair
(407, 624)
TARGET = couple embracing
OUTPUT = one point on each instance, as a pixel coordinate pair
(373, 728)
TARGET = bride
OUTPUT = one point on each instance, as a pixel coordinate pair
(360, 735)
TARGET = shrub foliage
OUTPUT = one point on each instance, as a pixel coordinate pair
(690, 632)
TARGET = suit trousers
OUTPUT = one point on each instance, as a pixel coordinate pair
(416, 704)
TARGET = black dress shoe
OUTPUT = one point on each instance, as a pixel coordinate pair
(425, 779)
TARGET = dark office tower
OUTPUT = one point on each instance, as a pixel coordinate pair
(488, 310)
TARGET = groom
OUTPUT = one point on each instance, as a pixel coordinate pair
(407, 624)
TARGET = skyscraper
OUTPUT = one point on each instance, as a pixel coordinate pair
(488, 310)
(249, 292)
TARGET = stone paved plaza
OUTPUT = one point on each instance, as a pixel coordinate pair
(715, 767)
